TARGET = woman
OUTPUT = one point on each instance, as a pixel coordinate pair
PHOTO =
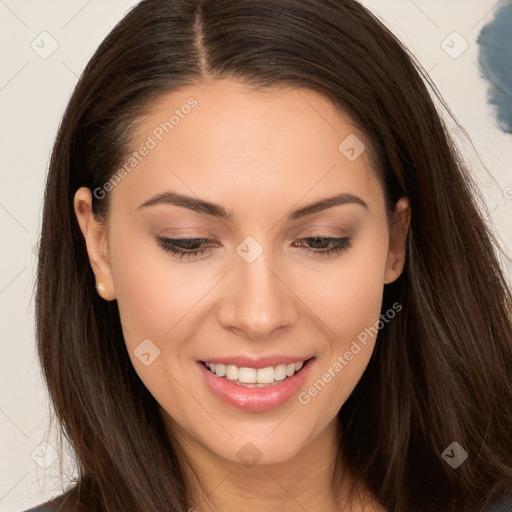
(264, 281)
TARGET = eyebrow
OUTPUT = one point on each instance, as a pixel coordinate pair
(216, 210)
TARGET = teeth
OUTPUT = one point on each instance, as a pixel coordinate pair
(280, 372)
(247, 375)
(255, 376)
(264, 375)
(231, 372)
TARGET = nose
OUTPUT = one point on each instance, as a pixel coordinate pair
(257, 300)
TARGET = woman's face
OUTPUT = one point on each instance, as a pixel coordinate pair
(261, 291)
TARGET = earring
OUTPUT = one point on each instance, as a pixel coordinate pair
(100, 288)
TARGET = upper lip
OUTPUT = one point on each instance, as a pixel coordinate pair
(245, 361)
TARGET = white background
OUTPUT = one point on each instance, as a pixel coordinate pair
(33, 95)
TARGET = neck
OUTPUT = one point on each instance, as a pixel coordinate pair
(302, 482)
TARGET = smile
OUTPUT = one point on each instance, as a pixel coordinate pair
(255, 389)
(255, 376)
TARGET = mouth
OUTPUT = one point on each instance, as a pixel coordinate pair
(255, 386)
(255, 377)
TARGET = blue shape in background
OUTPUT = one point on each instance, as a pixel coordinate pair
(495, 61)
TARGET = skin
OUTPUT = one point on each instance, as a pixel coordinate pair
(259, 154)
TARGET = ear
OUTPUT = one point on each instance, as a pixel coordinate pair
(95, 236)
(398, 241)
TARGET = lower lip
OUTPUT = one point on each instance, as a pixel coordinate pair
(256, 399)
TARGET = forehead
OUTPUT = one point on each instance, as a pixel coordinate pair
(225, 138)
(234, 113)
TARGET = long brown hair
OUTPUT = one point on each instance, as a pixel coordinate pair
(441, 371)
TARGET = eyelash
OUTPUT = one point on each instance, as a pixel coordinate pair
(169, 245)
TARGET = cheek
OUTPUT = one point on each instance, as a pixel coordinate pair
(348, 300)
(347, 294)
(155, 297)
(158, 298)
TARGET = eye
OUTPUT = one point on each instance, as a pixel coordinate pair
(183, 246)
(191, 247)
(328, 245)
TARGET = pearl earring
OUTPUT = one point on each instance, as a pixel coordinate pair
(100, 288)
